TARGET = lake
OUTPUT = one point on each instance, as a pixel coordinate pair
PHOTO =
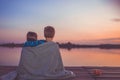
(74, 57)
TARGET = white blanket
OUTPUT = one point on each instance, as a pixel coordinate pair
(42, 62)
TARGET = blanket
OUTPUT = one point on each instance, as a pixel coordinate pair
(42, 62)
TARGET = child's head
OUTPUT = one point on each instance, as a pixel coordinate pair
(31, 36)
(49, 32)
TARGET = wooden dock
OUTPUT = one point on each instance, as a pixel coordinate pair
(82, 73)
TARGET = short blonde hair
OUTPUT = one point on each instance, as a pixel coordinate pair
(49, 32)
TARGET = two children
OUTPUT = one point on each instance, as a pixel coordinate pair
(32, 41)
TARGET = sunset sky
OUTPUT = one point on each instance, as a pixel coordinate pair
(74, 20)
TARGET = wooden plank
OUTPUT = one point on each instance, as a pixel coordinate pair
(82, 73)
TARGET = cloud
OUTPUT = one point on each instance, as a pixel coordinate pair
(106, 41)
(115, 4)
(116, 19)
(109, 39)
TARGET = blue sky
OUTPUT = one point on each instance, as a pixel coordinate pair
(44, 11)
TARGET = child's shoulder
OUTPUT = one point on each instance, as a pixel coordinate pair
(33, 43)
(41, 41)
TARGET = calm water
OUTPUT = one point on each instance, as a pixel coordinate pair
(74, 57)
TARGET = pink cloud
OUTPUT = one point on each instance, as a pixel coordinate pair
(116, 19)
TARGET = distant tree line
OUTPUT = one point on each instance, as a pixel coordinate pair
(69, 45)
(12, 45)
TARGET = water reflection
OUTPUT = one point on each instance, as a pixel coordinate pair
(74, 57)
(9, 56)
(91, 57)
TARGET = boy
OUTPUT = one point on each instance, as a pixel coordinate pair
(32, 40)
(49, 33)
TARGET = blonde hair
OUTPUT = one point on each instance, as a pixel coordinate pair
(49, 32)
